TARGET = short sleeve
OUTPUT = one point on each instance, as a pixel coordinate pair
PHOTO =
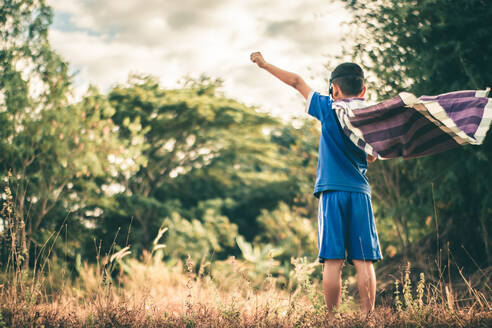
(318, 105)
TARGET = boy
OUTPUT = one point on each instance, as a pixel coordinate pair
(345, 218)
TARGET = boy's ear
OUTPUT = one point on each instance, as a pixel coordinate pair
(363, 92)
(337, 93)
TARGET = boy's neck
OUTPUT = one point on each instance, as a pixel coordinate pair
(348, 98)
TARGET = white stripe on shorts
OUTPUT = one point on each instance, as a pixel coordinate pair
(320, 218)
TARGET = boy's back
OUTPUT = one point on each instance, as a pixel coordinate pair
(341, 164)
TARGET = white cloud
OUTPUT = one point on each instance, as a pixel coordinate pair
(109, 39)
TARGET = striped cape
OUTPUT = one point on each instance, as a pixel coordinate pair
(410, 127)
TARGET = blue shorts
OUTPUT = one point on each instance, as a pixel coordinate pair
(346, 227)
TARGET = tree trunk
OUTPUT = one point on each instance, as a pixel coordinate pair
(145, 230)
(485, 237)
(403, 241)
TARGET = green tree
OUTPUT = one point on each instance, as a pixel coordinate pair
(295, 236)
(199, 237)
(52, 149)
(199, 145)
(425, 46)
(297, 144)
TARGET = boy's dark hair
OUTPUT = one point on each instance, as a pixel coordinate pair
(349, 77)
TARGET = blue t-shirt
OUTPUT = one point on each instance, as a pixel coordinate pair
(341, 164)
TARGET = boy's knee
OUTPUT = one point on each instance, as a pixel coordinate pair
(334, 263)
(362, 265)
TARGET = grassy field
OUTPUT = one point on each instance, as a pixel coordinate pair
(126, 292)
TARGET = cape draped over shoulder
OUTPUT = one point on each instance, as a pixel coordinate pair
(409, 127)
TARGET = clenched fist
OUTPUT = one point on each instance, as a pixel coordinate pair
(258, 59)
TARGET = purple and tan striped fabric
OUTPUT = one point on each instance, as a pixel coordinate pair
(409, 127)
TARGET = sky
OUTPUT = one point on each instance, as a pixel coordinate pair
(105, 41)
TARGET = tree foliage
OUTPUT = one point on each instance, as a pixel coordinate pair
(198, 146)
(51, 150)
(423, 46)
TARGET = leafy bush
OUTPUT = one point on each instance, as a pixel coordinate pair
(295, 235)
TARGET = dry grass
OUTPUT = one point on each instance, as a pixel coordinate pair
(150, 293)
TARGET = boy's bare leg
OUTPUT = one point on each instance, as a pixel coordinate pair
(366, 280)
(332, 283)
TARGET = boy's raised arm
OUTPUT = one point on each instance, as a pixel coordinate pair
(289, 78)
